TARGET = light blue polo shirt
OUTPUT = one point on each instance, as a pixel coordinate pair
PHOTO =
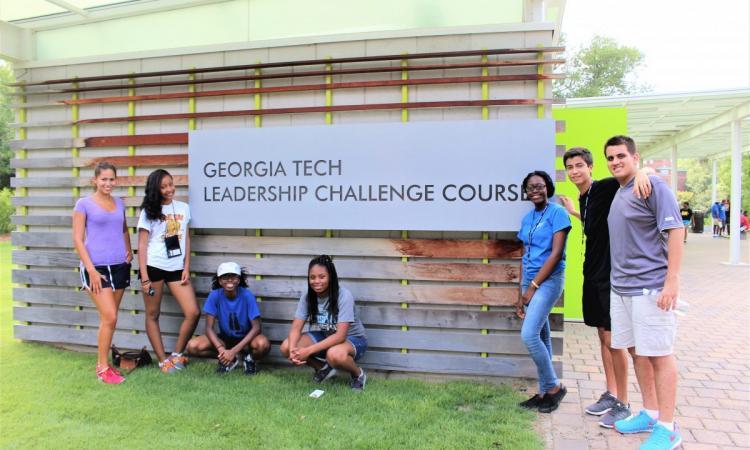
(537, 230)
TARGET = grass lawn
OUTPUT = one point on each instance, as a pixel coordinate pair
(50, 398)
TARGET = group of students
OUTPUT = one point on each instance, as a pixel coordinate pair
(633, 232)
(633, 235)
(335, 339)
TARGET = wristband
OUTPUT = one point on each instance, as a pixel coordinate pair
(533, 283)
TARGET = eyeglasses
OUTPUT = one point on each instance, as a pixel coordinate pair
(229, 277)
(535, 187)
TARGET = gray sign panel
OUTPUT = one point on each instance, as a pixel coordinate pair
(387, 176)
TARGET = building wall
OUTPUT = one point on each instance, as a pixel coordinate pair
(429, 305)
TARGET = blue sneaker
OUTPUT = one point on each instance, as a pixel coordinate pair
(662, 439)
(636, 424)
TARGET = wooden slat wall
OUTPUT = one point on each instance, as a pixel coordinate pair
(437, 302)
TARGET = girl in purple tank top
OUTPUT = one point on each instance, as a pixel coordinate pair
(101, 238)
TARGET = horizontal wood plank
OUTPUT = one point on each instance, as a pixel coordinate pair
(320, 109)
(68, 201)
(297, 267)
(362, 290)
(300, 74)
(501, 366)
(69, 182)
(413, 248)
(315, 87)
(414, 339)
(121, 162)
(277, 64)
(280, 310)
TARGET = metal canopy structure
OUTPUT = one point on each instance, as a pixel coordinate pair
(700, 125)
(697, 122)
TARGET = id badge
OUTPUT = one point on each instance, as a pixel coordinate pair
(173, 246)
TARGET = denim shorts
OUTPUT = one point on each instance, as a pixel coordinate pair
(359, 344)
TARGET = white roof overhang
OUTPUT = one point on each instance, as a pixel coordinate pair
(698, 123)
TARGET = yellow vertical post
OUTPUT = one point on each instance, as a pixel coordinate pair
(329, 115)
(329, 94)
(74, 152)
(75, 171)
(485, 116)
(540, 84)
(131, 148)
(404, 90)
(258, 98)
(22, 173)
(404, 119)
(192, 125)
(22, 154)
(485, 89)
(131, 167)
(258, 120)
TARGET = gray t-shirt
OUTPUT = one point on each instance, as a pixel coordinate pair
(323, 321)
(638, 238)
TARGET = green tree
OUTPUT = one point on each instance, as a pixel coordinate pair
(697, 182)
(601, 68)
(724, 179)
(6, 117)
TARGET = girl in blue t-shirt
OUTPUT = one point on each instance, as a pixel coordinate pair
(544, 231)
(234, 307)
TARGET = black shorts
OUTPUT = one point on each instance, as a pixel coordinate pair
(115, 276)
(155, 274)
(596, 304)
(229, 341)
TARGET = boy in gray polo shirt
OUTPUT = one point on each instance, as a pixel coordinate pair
(646, 248)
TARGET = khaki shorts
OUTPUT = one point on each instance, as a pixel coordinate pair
(638, 322)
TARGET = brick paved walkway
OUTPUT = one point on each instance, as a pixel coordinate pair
(713, 356)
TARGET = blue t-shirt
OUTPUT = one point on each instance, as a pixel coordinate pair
(234, 315)
(717, 211)
(537, 230)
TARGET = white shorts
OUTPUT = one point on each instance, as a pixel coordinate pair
(638, 322)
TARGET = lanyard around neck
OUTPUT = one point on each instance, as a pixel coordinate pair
(532, 230)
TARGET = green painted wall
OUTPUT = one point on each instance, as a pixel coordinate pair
(590, 128)
(255, 20)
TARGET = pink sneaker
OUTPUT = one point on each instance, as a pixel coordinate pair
(108, 375)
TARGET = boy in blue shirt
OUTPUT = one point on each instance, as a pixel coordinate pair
(232, 303)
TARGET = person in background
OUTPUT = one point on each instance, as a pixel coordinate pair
(744, 222)
(717, 212)
(687, 218)
(727, 213)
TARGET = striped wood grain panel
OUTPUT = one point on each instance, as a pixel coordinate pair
(282, 309)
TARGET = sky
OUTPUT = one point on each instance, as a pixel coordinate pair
(689, 45)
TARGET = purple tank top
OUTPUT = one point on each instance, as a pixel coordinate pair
(104, 235)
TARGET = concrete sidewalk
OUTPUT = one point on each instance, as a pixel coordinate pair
(713, 356)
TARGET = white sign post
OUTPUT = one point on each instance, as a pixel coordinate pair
(441, 176)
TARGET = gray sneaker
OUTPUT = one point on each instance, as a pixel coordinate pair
(606, 402)
(618, 412)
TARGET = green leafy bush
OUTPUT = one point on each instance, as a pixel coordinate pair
(6, 211)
